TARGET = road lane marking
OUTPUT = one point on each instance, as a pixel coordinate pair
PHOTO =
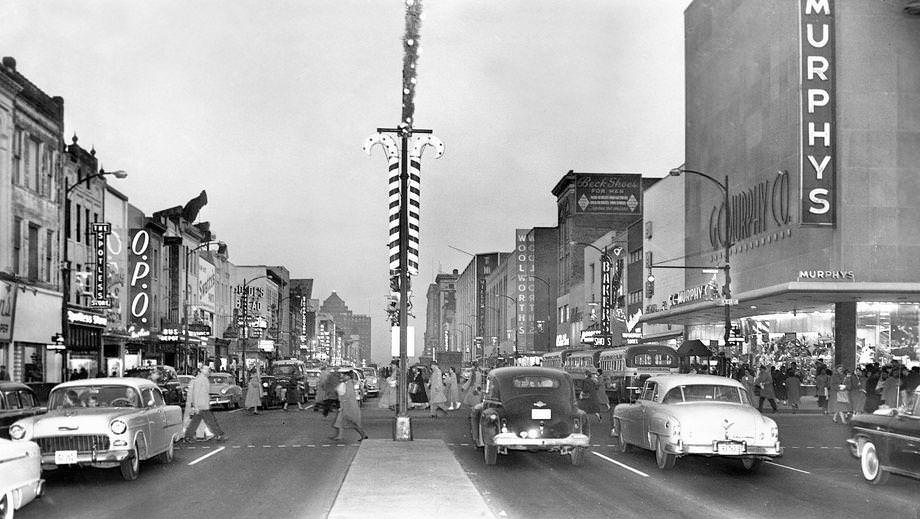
(295, 445)
(266, 446)
(234, 411)
(237, 446)
(787, 467)
(251, 446)
(615, 462)
(206, 456)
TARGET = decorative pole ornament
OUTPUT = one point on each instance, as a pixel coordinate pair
(404, 163)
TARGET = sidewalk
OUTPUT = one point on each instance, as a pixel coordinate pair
(400, 479)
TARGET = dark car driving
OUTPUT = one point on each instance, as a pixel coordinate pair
(888, 441)
(165, 378)
(529, 409)
(17, 401)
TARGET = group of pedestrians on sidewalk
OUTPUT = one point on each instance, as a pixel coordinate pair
(843, 392)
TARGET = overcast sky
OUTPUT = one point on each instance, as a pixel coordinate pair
(265, 104)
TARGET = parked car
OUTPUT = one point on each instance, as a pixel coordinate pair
(888, 441)
(16, 401)
(532, 409)
(680, 415)
(224, 391)
(371, 381)
(103, 423)
(20, 475)
(359, 381)
(165, 377)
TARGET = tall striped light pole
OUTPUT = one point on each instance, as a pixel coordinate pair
(404, 165)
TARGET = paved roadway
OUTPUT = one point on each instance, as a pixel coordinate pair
(283, 465)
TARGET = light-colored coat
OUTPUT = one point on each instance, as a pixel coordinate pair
(765, 381)
(349, 409)
(254, 392)
(198, 395)
(436, 393)
(453, 389)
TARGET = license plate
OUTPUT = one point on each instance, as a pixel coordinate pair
(541, 414)
(65, 457)
(730, 448)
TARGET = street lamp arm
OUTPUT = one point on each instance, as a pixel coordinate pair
(677, 171)
(117, 174)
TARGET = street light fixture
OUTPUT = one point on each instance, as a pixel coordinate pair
(727, 289)
(65, 260)
(202, 245)
(516, 321)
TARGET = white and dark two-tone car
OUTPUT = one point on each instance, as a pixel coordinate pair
(103, 423)
(681, 415)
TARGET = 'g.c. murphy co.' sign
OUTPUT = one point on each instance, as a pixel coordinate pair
(818, 160)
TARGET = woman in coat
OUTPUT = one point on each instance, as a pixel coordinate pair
(793, 388)
(587, 401)
(472, 389)
(857, 388)
(293, 395)
(349, 416)
(254, 393)
(437, 397)
(839, 400)
(388, 393)
(764, 384)
(453, 389)
(822, 386)
(417, 392)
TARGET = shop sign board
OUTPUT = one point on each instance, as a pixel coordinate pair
(139, 281)
(608, 194)
(827, 275)
(100, 264)
(7, 304)
(818, 186)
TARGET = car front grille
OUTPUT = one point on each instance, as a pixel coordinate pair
(76, 442)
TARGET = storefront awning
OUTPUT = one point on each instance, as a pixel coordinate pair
(800, 296)
(694, 348)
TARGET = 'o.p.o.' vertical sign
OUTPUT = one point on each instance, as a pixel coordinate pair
(819, 168)
(139, 280)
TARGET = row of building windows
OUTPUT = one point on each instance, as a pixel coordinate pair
(32, 165)
(37, 255)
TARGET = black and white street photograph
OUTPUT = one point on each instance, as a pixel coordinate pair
(387, 259)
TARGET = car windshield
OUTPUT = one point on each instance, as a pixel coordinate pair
(532, 381)
(284, 370)
(219, 379)
(94, 396)
(705, 393)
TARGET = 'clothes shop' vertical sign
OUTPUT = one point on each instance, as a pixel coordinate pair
(819, 165)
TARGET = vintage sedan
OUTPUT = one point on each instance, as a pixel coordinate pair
(680, 415)
(20, 475)
(17, 401)
(371, 381)
(184, 381)
(104, 423)
(224, 391)
(529, 409)
(165, 377)
(888, 441)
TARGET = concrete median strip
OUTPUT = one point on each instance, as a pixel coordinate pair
(421, 476)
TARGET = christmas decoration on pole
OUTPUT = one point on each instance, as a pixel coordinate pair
(404, 161)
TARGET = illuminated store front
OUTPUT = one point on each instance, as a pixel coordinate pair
(809, 112)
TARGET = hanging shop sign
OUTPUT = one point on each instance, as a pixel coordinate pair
(818, 136)
(139, 282)
(7, 304)
(75, 317)
(562, 340)
(692, 295)
(608, 194)
(100, 285)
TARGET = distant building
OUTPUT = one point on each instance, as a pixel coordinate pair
(441, 334)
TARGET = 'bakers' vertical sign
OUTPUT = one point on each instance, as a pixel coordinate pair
(819, 168)
(100, 280)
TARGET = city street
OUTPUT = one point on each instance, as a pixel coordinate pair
(282, 464)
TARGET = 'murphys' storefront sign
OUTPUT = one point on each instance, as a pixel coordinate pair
(818, 169)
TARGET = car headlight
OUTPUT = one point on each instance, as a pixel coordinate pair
(264, 384)
(118, 426)
(17, 432)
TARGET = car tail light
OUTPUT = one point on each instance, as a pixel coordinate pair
(504, 426)
(577, 425)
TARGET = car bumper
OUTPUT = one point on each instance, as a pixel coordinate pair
(513, 440)
(98, 458)
(221, 400)
(712, 449)
(26, 492)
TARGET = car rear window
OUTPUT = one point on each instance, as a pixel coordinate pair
(535, 381)
(704, 393)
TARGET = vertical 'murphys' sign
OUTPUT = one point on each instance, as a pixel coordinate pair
(819, 168)
(139, 282)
